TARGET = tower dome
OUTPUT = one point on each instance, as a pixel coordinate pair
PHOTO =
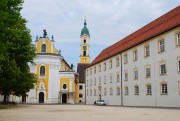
(85, 29)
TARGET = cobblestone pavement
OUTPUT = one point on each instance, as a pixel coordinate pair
(86, 113)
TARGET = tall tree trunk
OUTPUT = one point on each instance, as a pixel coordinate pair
(5, 97)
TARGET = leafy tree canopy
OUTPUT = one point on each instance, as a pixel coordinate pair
(16, 50)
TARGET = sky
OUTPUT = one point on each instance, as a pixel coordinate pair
(108, 21)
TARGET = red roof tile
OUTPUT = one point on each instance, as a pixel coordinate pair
(162, 24)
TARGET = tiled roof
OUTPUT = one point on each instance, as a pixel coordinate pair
(162, 24)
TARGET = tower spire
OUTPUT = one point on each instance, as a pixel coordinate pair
(84, 20)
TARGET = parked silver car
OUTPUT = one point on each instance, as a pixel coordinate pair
(100, 102)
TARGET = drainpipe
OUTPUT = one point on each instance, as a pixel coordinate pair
(121, 82)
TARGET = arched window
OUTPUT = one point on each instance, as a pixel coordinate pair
(84, 53)
(42, 71)
(64, 86)
(84, 40)
(43, 48)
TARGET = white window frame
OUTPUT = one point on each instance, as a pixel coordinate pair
(178, 39)
(148, 72)
(147, 51)
(111, 91)
(135, 74)
(164, 88)
(126, 76)
(163, 69)
(148, 89)
(111, 79)
(94, 92)
(110, 64)
(94, 69)
(125, 58)
(105, 92)
(136, 90)
(135, 55)
(94, 81)
(118, 78)
(161, 45)
(117, 61)
(99, 80)
(126, 90)
(105, 79)
(118, 91)
(104, 66)
(99, 67)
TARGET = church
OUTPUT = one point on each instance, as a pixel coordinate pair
(56, 80)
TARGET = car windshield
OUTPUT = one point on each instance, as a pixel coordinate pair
(101, 100)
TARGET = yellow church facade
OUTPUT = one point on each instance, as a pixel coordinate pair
(56, 80)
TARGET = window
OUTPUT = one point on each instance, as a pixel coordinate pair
(90, 82)
(99, 80)
(111, 91)
(179, 86)
(146, 50)
(87, 83)
(64, 86)
(148, 72)
(80, 87)
(80, 95)
(126, 76)
(110, 64)
(42, 85)
(84, 40)
(99, 68)
(136, 90)
(104, 66)
(94, 92)
(135, 74)
(43, 48)
(117, 61)
(105, 92)
(110, 78)
(125, 58)
(126, 91)
(164, 90)
(118, 91)
(84, 53)
(104, 79)
(135, 55)
(117, 77)
(42, 71)
(90, 71)
(161, 46)
(148, 89)
(90, 92)
(163, 69)
(95, 70)
(177, 39)
(179, 66)
(87, 92)
(87, 72)
(94, 81)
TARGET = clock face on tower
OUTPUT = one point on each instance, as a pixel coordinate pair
(84, 48)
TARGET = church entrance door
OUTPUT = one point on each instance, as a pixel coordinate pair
(41, 97)
(64, 98)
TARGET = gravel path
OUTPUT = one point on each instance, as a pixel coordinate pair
(86, 113)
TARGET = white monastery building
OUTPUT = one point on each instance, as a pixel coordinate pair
(143, 69)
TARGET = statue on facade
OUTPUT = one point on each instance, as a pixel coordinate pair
(44, 33)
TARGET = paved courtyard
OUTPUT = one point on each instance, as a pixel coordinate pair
(86, 113)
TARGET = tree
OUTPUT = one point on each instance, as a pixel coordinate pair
(16, 50)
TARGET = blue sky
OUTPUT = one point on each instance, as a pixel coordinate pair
(107, 20)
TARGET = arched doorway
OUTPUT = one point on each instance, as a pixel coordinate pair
(41, 97)
(64, 98)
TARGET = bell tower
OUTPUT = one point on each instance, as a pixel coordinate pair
(84, 46)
